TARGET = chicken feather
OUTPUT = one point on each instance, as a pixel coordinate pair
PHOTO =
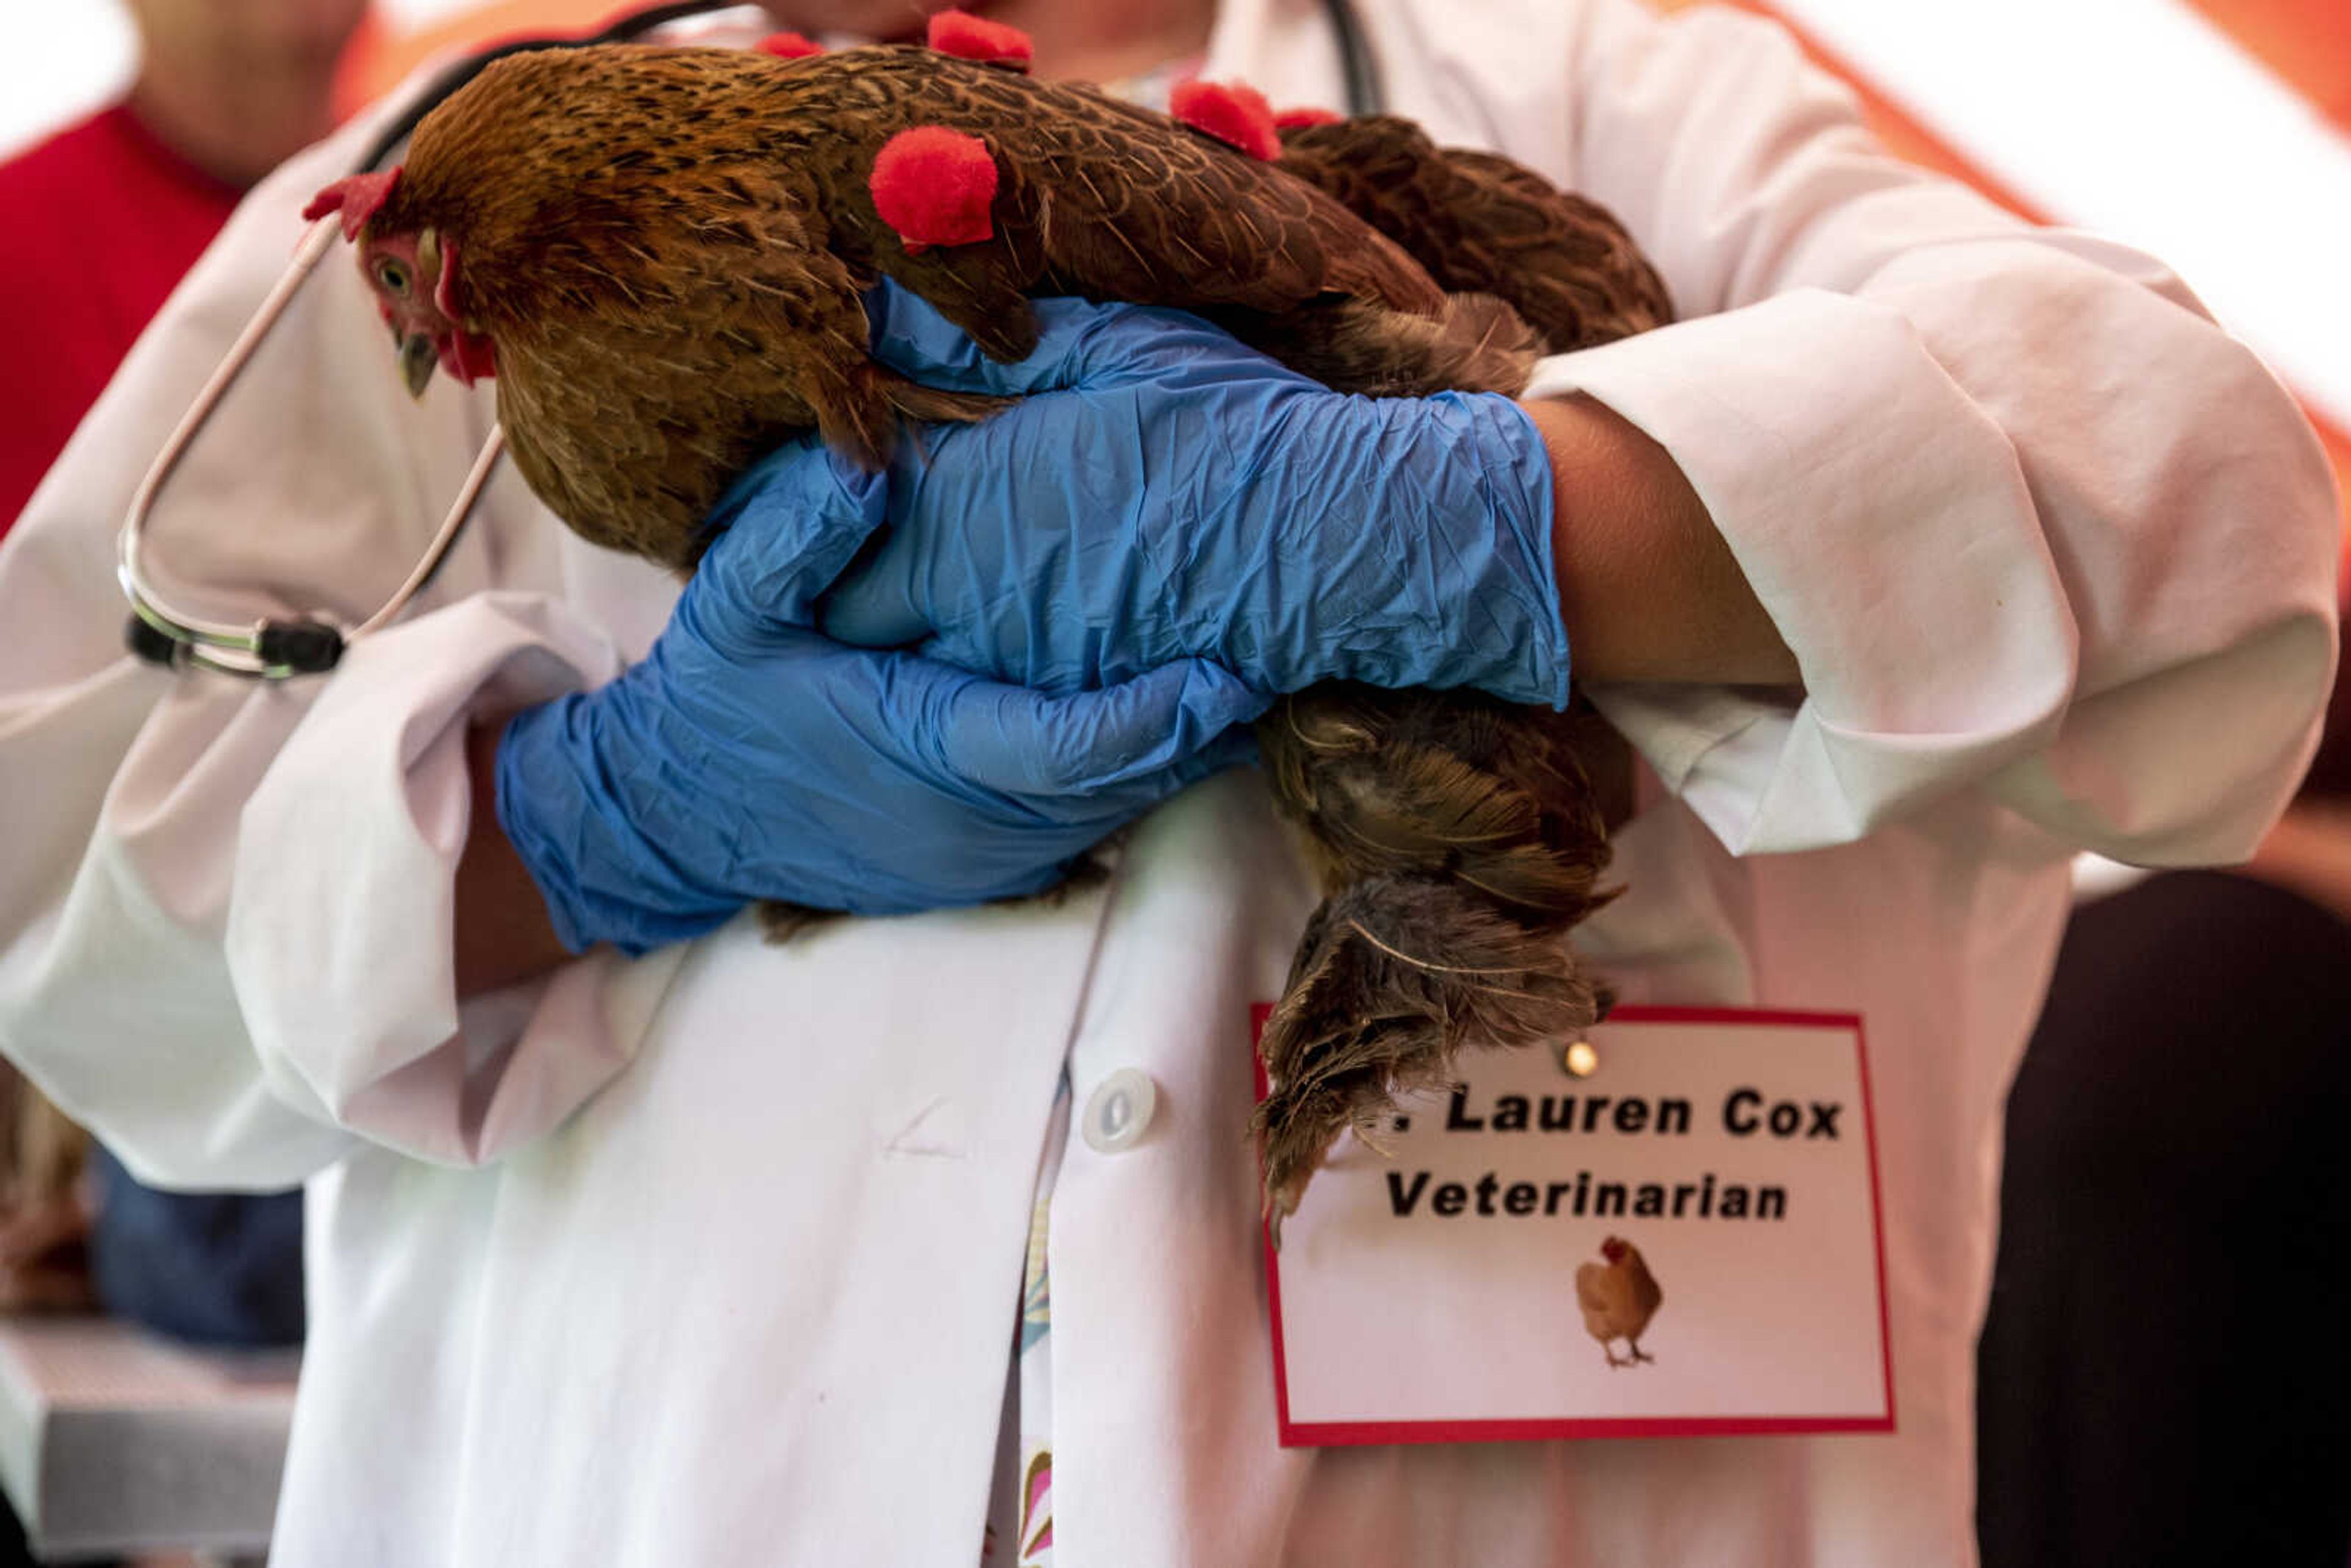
(666, 250)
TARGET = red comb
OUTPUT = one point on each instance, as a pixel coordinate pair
(1234, 113)
(971, 37)
(1299, 119)
(788, 47)
(357, 196)
(934, 186)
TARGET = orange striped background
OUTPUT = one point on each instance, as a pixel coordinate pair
(2307, 42)
(2309, 50)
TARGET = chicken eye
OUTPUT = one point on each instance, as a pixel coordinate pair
(393, 277)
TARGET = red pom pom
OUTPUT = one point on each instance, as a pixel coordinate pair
(356, 196)
(1238, 114)
(788, 47)
(1299, 119)
(934, 186)
(970, 37)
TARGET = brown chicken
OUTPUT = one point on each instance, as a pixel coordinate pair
(1618, 1299)
(660, 254)
(1479, 223)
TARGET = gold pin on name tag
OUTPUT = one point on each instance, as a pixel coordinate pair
(1669, 1227)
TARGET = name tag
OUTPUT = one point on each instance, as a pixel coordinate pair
(1684, 1240)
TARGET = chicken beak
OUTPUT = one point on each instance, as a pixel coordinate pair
(418, 358)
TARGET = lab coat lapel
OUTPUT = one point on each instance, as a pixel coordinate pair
(804, 1363)
(1159, 1333)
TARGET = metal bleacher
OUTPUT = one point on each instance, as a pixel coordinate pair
(115, 1442)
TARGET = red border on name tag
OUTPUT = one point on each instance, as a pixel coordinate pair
(1333, 1434)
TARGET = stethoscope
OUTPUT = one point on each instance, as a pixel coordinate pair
(277, 648)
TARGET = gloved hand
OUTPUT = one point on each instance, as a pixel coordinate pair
(1167, 491)
(749, 757)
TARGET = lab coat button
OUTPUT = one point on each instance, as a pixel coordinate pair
(1118, 1113)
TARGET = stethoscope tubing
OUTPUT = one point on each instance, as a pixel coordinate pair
(251, 649)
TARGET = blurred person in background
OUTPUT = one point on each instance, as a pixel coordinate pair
(2164, 1375)
(104, 216)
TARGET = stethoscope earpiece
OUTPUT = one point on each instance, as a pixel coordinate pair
(150, 643)
(306, 647)
(272, 651)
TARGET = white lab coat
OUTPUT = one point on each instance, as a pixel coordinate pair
(713, 1258)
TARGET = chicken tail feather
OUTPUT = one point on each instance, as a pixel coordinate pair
(1474, 342)
(1394, 976)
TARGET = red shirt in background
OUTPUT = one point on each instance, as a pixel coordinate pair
(101, 220)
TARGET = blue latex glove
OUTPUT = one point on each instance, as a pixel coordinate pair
(1168, 492)
(748, 757)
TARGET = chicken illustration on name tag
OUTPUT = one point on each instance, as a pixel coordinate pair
(1698, 1148)
(1618, 1297)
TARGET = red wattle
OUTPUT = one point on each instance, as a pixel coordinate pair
(970, 37)
(468, 357)
(1233, 113)
(788, 47)
(935, 187)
